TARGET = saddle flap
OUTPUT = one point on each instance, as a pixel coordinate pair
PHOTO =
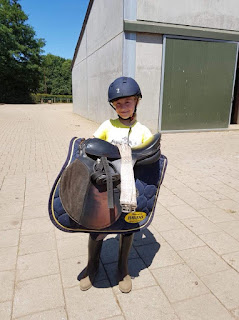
(85, 202)
(74, 184)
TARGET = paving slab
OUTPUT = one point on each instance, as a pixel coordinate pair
(204, 307)
(225, 286)
(35, 211)
(36, 243)
(157, 255)
(235, 313)
(182, 238)
(55, 314)
(83, 307)
(179, 282)
(220, 242)
(184, 211)
(201, 225)
(148, 302)
(187, 258)
(7, 285)
(5, 310)
(37, 295)
(36, 225)
(36, 265)
(8, 258)
(166, 222)
(230, 227)
(232, 259)
(217, 215)
(9, 238)
(203, 260)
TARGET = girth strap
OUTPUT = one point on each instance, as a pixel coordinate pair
(128, 200)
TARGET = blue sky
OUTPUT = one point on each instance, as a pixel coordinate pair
(59, 22)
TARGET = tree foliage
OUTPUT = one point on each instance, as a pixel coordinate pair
(56, 75)
(20, 54)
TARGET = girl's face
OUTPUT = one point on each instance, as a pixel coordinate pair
(125, 106)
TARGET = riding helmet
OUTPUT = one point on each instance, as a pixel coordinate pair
(123, 87)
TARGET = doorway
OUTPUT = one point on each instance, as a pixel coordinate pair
(235, 103)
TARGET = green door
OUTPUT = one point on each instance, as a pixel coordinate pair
(198, 84)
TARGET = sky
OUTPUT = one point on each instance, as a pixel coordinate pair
(59, 22)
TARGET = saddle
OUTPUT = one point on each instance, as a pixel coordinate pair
(90, 186)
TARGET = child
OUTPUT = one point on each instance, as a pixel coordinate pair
(123, 95)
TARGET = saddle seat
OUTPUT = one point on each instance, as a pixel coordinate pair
(146, 153)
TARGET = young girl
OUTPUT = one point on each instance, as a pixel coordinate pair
(123, 95)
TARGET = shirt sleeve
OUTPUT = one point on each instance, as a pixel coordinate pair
(101, 132)
(146, 134)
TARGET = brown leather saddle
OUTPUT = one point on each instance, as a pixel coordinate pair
(90, 185)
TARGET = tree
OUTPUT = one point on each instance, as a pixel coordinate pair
(20, 54)
(56, 77)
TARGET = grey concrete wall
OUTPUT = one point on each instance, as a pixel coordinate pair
(91, 78)
(103, 67)
(220, 14)
(80, 89)
(99, 60)
(82, 52)
(148, 74)
(104, 23)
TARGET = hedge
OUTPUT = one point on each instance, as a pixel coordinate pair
(51, 98)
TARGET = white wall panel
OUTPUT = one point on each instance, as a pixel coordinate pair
(104, 23)
(220, 14)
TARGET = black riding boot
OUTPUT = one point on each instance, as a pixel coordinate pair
(125, 283)
(94, 249)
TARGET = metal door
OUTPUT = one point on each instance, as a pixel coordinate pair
(198, 84)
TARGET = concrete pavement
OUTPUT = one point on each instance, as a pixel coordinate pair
(184, 266)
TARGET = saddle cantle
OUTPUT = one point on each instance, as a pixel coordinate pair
(98, 163)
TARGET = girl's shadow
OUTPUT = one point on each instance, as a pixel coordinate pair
(141, 256)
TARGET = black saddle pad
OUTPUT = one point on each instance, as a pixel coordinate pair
(148, 179)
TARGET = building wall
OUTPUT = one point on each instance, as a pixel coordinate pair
(148, 75)
(99, 59)
(220, 14)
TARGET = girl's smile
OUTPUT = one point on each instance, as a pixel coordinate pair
(125, 107)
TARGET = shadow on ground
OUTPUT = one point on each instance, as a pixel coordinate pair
(141, 256)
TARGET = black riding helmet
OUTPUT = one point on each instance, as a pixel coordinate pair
(121, 88)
